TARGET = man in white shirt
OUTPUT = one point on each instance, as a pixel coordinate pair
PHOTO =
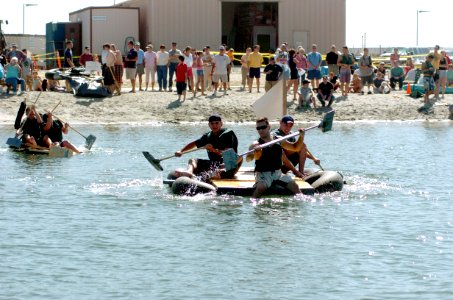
(219, 69)
(162, 60)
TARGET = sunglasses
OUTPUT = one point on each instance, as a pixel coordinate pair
(261, 127)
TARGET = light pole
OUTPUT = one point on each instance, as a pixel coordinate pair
(23, 14)
(418, 12)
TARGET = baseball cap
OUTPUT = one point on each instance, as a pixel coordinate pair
(14, 45)
(305, 82)
(137, 43)
(214, 118)
(287, 119)
(221, 48)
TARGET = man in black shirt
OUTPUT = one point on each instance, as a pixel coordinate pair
(214, 141)
(332, 60)
(130, 64)
(272, 72)
(325, 92)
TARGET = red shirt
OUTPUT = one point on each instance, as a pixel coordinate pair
(181, 72)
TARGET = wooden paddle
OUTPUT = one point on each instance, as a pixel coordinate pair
(117, 85)
(156, 162)
(89, 140)
(230, 158)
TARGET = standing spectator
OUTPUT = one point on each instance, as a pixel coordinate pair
(254, 63)
(219, 70)
(109, 78)
(181, 78)
(395, 58)
(314, 66)
(68, 60)
(294, 75)
(86, 56)
(325, 92)
(436, 65)
(118, 68)
(173, 54)
(140, 64)
(200, 73)
(207, 61)
(230, 54)
(188, 60)
(12, 77)
(244, 67)
(428, 71)
(345, 61)
(443, 69)
(130, 64)
(302, 64)
(332, 60)
(150, 67)
(366, 70)
(273, 72)
(162, 59)
(26, 71)
(15, 53)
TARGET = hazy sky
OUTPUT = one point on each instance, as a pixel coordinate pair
(385, 22)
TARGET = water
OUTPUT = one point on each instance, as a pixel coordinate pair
(102, 226)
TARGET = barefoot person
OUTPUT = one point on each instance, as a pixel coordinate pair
(30, 128)
(214, 141)
(53, 133)
(269, 161)
(295, 157)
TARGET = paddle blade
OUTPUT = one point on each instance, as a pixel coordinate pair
(154, 162)
(230, 159)
(14, 142)
(90, 141)
(327, 121)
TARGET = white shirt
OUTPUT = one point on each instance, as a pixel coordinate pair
(188, 60)
(221, 62)
(162, 58)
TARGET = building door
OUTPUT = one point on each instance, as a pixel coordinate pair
(265, 36)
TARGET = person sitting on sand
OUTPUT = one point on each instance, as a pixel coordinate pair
(334, 81)
(356, 84)
(53, 133)
(269, 161)
(380, 85)
(294, 157)
(306, 95)
(214, 141)
(30, 128)
(325, 92)
(36, 82)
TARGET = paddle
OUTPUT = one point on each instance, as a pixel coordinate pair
(15, 142)
(156, 162)
(89, 140)
(230, 157)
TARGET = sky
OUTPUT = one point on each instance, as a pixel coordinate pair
(385, 23)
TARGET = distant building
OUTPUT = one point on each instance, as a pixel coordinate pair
(100, 25)
(238, 24)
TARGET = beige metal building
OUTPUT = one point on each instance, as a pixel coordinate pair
(102, 25)
(242, 23)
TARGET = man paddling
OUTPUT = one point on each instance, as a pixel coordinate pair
(295, 157)
(269, 160)
(53, 133)
(214, 141)
(30, 128)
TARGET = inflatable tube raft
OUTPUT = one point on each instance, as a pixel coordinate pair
(243, 184)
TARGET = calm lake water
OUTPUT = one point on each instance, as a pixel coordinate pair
(102, 226)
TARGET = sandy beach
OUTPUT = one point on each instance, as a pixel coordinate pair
(153, 106)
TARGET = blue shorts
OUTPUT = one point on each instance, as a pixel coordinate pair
(254, 73)
(428, 83)
(200, 73)
(314, 74)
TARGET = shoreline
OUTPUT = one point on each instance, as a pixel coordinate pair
(154, 108)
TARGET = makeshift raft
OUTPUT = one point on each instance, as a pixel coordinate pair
(54, 151)
(243, 184)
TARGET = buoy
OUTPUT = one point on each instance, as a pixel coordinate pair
(408, 90)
